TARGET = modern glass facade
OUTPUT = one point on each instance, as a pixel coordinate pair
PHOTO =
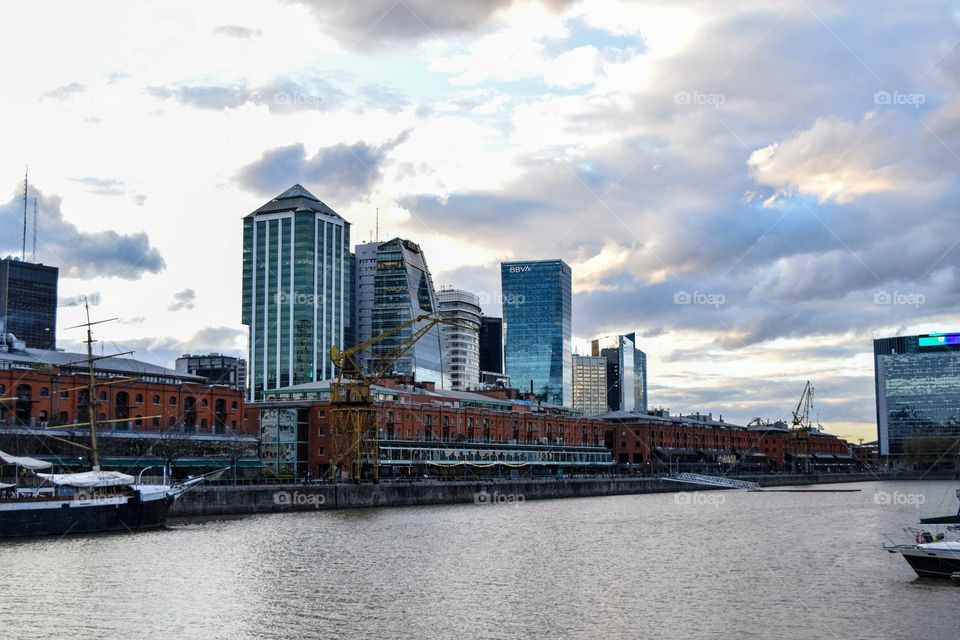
(491, 344)
(393, 286)
(639, 375)
(28, 302)
(590, 384)
(461, 341)
(537, 327)
(917, 382)
(296, 290)
(620, 354)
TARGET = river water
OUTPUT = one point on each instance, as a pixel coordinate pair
(694, 565)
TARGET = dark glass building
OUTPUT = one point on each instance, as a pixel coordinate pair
(28, 302)
(491, 344)
(639, 375)
(216, 368)
(917, 382)
(537, 328)
(296, 290)
(394, 285)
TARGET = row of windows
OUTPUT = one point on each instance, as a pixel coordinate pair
(25, 391)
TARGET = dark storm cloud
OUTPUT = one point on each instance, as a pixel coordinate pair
(78, 254)
(235, 31)
(343, 171)
(65, 91)
(371, 24)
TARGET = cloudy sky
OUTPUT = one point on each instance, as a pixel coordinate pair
(759, 190)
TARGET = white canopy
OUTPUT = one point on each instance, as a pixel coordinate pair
(89, 479)
(4, 485)
(28, 463)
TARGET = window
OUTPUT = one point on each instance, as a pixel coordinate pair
(103, 396)
(203, 422)
(156, 399)
(172, 421)
(139, 398)
(233, 424)
(173, 400)
(156, 421)
(64, 395)
(64, 418)
(44, 392)
(3, 389)
(233, 405)
(203, 402)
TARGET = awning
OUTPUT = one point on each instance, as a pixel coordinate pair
(27, 463)
(89, 479)
(824, 456)
(4, 485)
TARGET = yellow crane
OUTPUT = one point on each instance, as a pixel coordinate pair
(354, 441)
(800, 445)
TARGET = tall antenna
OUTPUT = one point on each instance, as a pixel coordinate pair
(23, 251)
(378, 223)
(34, 259)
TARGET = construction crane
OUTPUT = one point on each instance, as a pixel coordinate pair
(801, 428)
(354, 439)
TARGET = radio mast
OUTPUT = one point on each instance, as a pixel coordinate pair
(34, 259)
(23, 250)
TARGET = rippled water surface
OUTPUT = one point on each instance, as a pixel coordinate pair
(707, 565)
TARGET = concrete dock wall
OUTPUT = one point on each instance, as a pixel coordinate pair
(226, 500)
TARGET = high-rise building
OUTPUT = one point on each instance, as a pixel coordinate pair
(618, 351)
(537, 327)
(917, 381)
(639, 376)
(590, 384)
(393, 286)
(28, 302)
(491, 344)
(461, 341)
(216, 368)
(296, 289)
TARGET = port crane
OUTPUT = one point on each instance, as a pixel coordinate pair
(801, 428)
(354, 438)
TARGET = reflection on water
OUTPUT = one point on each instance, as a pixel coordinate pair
(719, 565)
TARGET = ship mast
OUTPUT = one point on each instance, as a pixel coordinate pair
(92, 400)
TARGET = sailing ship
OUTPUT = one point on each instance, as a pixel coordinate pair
(88, 502)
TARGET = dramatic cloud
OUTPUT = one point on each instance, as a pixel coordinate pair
(345, 172)
(183, 300)
(164, 350)
(371, 24)
(79, 254)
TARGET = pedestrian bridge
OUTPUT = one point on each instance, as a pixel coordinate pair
(712, 481)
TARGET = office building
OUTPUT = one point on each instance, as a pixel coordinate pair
(618, 351)
(393, 286)
(216, 368)
(590, 384)
(491, 344)
(296, 290)
(28, 302)
(639, 375)
(537, 328)
(917, 380)
(461, 341)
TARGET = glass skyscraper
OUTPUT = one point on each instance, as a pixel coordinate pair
(296, 290)
(537, 327)
(626, 372)
(394, 285)
(28, 302)
(917, 382)
(639, 375)
(461, 341)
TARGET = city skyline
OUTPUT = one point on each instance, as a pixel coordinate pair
(741, 226)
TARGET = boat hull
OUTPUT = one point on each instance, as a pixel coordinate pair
(930, 564)
(63, 517)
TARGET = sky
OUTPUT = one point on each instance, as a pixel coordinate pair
(758, 188)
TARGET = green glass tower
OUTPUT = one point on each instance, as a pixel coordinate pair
(296, 290)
